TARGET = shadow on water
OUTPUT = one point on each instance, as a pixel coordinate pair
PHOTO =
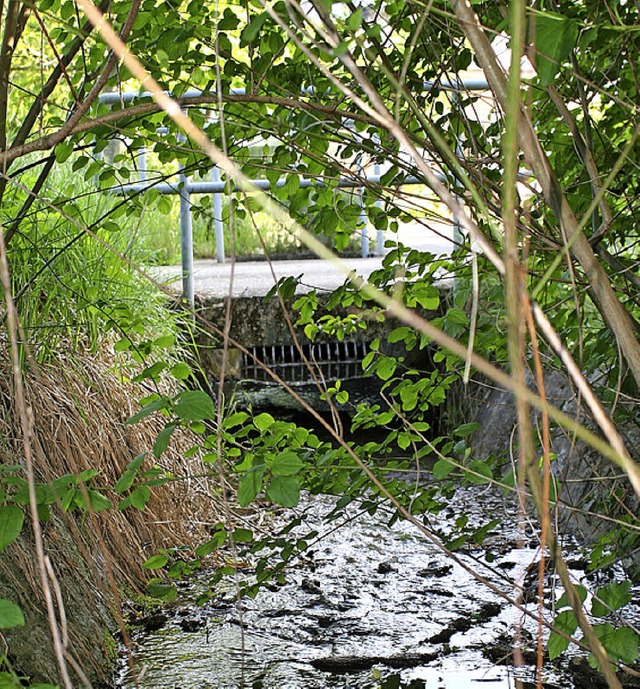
(371, 606)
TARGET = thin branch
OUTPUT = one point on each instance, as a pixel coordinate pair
(80, 110)
(46, 143)
(35, 190)
(587, 156)
(613, 312)
(9, 39)
(42, 98)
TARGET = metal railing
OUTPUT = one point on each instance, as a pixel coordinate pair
(186, 187)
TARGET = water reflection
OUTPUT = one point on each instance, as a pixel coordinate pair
(372, 596)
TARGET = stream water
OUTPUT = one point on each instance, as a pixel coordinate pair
(370, 606)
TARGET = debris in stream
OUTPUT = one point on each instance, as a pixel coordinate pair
(310, 586)
(463, 624)
(343, 664)
(500, 651)
(191, 624)
(435, 571)
(151, 623)
(385, 568)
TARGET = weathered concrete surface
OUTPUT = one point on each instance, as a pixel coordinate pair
(588, 484)
(255, 320)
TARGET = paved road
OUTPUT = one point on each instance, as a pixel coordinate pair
(255, 278)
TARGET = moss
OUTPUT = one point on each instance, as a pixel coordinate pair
(110, 648)
(142, 603)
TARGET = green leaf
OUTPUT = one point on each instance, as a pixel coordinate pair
(11, 520)
(284, 490)
(386, 368)
(153, 372)
(564, 599)
(137, 461)
(10, 614)
(442, 468)
(63, 151)
(456, 316)
(286, 464)
(98, 501)
(620, 644)
(611, 597)
(252, 29)
(195, 405)
(162, 590)
(428, 297)
(10, 680)
(466, 429)
(88, 474)
(138, 499)
(399, 334)
(181, 371)
(250, 485)
(565, 622)
(212, 544)
(235, 419)
(482, 472)
(155, 562)
(155, 405)
(162, 441)
(354, 21)
(263, 421)
(165, 341)
(555, 39)
(125, 481)
(243, 535)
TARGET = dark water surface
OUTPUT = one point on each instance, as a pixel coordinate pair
(383, 595)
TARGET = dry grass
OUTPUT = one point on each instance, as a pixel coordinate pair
(79, 408)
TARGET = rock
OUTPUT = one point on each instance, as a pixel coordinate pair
(151, 623)
(385, 568)
(310, 586)
(191, 624)
(435, 571)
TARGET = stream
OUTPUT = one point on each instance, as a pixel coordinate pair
(370, 606)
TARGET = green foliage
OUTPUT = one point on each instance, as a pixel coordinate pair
(621, 643)
(72, 288)
(11, 520)
(556, 38)
(610, 598)
(566, 623)
(10, 615)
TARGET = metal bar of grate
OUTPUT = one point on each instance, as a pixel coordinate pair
(332, 360)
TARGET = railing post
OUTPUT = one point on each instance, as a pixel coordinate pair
(379, 250)
(362, 218)
(186, 240)
(141, 161)
(217, 217)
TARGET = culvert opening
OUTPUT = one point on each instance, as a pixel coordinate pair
(331, 360)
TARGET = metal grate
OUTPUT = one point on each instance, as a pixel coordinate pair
(334, 360)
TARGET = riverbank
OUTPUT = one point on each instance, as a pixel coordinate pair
(94, 552)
